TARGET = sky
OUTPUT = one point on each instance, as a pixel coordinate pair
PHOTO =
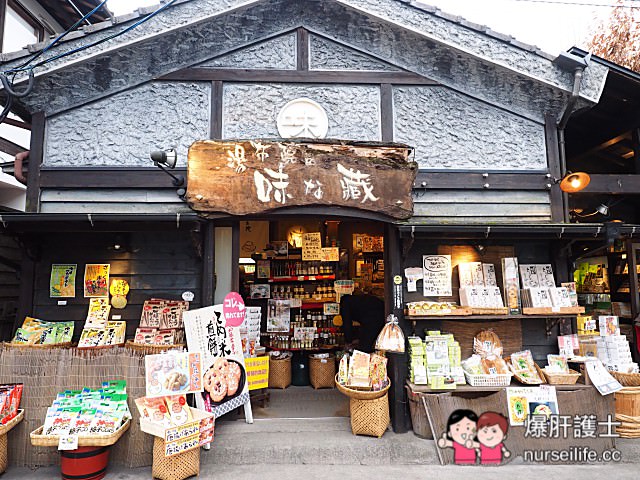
(552, 25)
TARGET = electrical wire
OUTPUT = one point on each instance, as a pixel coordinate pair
(26, 67)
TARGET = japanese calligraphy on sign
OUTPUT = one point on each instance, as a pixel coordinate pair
(225, 378)
(262, 175)
(311, 246)
(63, 281)
(96, 280)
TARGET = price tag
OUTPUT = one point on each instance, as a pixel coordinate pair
(62, 303)
(312, 278)
(116, 317)
(300, 277)
(68, 442)
(555, 309)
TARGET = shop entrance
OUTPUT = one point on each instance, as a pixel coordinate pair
(317, 287)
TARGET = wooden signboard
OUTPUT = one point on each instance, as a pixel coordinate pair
(249, 177)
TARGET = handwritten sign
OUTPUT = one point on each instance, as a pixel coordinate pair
(330, 254)
(257, 372)
(280, 174)
(233, 308)
(436, 270)
(311, 246)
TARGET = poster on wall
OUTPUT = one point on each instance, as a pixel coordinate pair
(254, 236)
(96, 280)
(278, 316)
(225, 376)
(311, 246)
(436, 270)
(62, 283)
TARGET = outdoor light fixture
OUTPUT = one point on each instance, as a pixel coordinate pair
(574, 182)
(601, 209)
(168, 158)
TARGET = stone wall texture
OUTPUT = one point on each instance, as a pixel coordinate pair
(251, 110)
(450, 130)
(328, 55)
(123, 129)
(277, 53)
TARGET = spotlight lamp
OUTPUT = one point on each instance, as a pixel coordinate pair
(574, 182)
(166, 160)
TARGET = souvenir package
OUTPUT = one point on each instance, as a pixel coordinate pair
(473, 365)
(343, 370)
(39, 332)
(10, 396)
(164, 318)
(172, 314)
(88, 411)
(359, 369)
(391, 338)
(511, 285)
(98, 314)
(179, 411)
(154, 409)
(523, 366)
(146, 336)
(557, 364)
(487, 343)
(494, 365)
(152, 312)
(378, 371)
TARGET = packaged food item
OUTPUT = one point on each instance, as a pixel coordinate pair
(343, 370)
(391, 337)
(378, 371)
(165, 337)
(557, 364)
(145, 336)
(494, 365)
(98, 313)
(523, 365)
(473, 365)
(179, 411)
(487, 343)
(359, 369)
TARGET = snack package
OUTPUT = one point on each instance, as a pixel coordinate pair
(152, 312)
(557, 364)
(473, 365)
(145, 336)
(179, 410)
(522, 364)
(378, 371)
(494, 365)
(391, 337)
(487, 343)
(165, 337)
(359, 369)
(343, 370)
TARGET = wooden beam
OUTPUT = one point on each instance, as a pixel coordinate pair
(599, 148)
(302, 49)
(208, 264)
(295, 76)
(36, 155)
(107, 177)
(10, 148)
(559, 211)
(478, 181)
(17, 123)
(613, 184)
(216, 110)
(386, 112)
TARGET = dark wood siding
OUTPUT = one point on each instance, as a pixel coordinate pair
(160, 264)
(9, 284)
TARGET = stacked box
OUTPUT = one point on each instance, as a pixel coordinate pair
(615, 354)
(417, 369)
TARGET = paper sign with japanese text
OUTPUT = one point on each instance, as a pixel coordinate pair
(96, 280)
(257, 372)
(311, 246)
(225, 377)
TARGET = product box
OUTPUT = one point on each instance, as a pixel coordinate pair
(145, 336)
(184, 437)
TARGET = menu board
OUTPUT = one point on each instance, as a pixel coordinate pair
(436, 270)
(311, 246)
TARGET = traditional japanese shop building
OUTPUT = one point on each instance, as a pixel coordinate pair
(475, 118)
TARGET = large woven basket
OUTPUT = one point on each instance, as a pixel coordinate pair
(4, 442)
(322, 372)
(362, 394)
(370, 417)
(627, 379)
(629, 426)
(279, 373)
(526, 381)
(39, 346)
(152, 349)
(176, 467)
(40, 440)
(628, 401)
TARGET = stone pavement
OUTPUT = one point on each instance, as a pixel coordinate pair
(323, 448)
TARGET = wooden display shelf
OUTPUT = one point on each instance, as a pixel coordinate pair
(552, 311)
(487, 317)
(468, 388)
(315, 349)
(301, 278)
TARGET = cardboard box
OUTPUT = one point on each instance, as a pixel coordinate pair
(184, 437)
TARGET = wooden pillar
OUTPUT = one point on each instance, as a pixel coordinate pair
(36, 155)
(635, 142)
(208, 264)
(632, 261)
(27, 279)
(559, 211)
(235, 254)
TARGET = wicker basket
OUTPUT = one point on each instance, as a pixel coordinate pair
(501, 380)
(322, 372)
(4, 429)
(362, 394)
(38, 346)
(627, 379)
(526, 381)
(628, 401)
(370, 417)
(40, 440)
(561, 378)
(629, 426)
(279, 373)
(176, 467)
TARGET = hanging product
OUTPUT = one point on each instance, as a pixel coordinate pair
(391, 338)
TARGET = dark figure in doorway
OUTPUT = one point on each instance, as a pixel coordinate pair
(368, 310)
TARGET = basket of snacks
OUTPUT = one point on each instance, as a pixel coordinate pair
(363, 378)
(7, 425)
(525, 369)
(558, 372)
(490, 371)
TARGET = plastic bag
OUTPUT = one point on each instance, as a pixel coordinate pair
(391, 337)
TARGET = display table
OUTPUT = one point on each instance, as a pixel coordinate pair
(573, 400)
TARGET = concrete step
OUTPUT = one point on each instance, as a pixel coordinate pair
(326, 441)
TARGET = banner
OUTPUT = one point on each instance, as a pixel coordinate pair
(225, 376)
